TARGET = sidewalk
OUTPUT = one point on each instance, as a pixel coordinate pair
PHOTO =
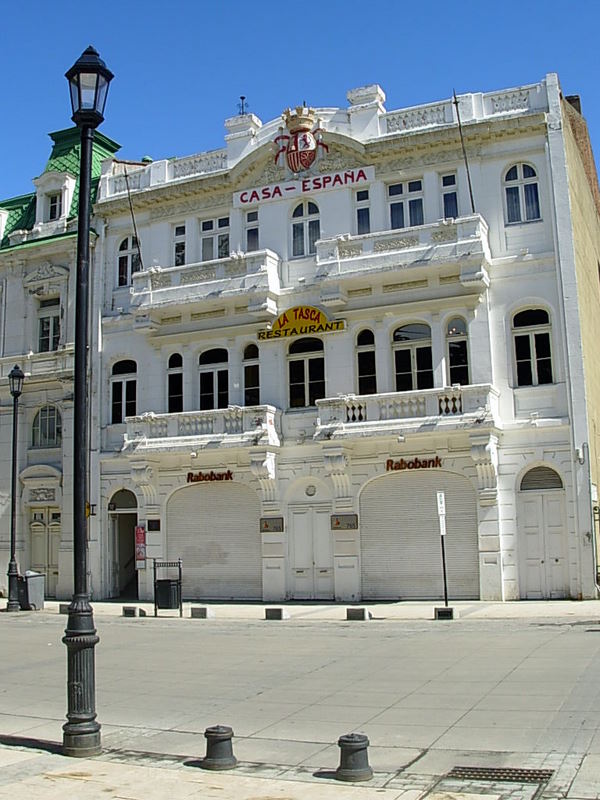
(403, 610)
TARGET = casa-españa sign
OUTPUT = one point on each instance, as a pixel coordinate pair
(301, 321)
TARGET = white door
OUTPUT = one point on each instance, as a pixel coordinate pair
(45, 528)
(542, 545)
(311, 554)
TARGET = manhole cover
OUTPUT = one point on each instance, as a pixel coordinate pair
(511, 774)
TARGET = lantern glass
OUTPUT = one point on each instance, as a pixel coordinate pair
(87, 87)
(15, 380)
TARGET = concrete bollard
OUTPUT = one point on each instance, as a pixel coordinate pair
(354, 758)
(276, 613)
(361, 614)
(201, 612)
(443, 612)
(219, 752)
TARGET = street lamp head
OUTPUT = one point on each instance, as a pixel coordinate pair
(15, 380)
(88, 82)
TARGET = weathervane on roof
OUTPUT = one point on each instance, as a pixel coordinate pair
(301, 145)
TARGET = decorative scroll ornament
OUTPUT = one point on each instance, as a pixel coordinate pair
(143, 475)
(484, 452)
(263, 467)
(336, 468)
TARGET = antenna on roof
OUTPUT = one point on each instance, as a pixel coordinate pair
(242, 105)
(464, 152)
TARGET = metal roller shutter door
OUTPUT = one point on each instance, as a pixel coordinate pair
(400, 537)
(214, 528)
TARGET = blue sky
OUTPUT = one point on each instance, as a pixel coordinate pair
(180, 66)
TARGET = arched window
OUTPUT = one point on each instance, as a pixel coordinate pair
(47, 428)
(175, 383)
(251, 376)
(413, 360)
(123, 391)
(214, 379)
(129, 260)
(521, 192)
(458, 356)
(541, 478)
(365, 356)
(533, 355)
(306, 369)
(305, 229)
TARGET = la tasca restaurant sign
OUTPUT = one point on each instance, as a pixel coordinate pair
(301, 321)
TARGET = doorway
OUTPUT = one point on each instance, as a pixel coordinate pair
(544, 573)
(123, 520)
(45, 529)
(311, 553)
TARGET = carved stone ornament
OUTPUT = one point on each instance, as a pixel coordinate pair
(484, 452)
(42, 495)
(395, 244)
(445, 234)
(418, 118)
(336, 468)
(198, 275)
(160, 280)
(206, 200)
(143, 475)
(263, 465)
(44, 273)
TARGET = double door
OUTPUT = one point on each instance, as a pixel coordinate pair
(45, 530)
(311, 553)
(543, 546)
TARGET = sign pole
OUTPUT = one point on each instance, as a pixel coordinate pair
(441, 504)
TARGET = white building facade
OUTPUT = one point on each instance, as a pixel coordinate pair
(301, 339)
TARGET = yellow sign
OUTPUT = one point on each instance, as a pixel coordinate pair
(302, 321)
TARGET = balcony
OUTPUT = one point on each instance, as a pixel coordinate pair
(253, 276)
(462, 242)
(56, 365)
(233, 426)
(397, 413)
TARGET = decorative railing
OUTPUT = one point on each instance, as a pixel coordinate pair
(468, 230)
(56, 362)
(252, 424)
(455, 401)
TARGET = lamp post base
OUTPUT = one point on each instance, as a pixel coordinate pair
(13, 587)
(81, 732)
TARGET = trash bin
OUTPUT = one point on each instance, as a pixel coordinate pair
(166, 593)
(31, 589)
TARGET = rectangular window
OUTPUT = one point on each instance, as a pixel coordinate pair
(363, 216)
(54, 206)
(175, 392)
(251, 231)
(406, 204)
(449, 196)
(49, 325)
(179, 245)
(251, 385)
(298, 239)
(367, 382)
(214, 234)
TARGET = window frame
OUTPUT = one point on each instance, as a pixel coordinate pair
(459, 338)
(306, 223)
(449, 190)
(361, 205)
(251, 230)
(413, 346)
(401, 198)
(43, 420)
(49, 313)
(174, 393)
(310, 360)
(530, 332)
(219, 233)
(251, 367)
(123, 391)
(368, 347)
(179, 244)
(520, 183)
(216, 369)
(55, 202)
(128, 260)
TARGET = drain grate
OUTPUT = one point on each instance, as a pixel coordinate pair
(512, 774)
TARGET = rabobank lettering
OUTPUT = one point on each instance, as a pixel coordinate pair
(303, 186)
(199, 477)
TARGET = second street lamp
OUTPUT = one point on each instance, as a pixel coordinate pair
(15, 382)
(88, 82)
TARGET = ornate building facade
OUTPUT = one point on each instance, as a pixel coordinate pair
(301, 339)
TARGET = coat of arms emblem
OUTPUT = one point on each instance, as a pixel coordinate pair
(303, 141)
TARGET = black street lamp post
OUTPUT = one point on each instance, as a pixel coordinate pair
(88, 82)
(15, 381)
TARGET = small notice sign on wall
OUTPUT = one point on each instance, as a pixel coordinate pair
(271, 524)
(344, 522)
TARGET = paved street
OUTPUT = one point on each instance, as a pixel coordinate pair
(497, 690)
